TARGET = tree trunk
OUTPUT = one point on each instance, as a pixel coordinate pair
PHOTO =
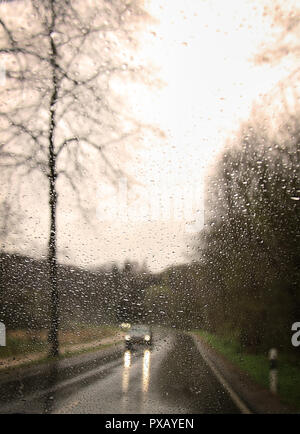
(54, 319)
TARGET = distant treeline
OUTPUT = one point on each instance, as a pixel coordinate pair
(108, 295)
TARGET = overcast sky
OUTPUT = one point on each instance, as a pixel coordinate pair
(203, 53)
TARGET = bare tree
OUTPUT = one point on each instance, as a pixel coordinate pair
(285, 19)
(59, 112)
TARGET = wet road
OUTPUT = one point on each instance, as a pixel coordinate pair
(171, 377)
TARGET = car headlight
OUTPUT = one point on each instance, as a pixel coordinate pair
(127, 337)
(147, 338)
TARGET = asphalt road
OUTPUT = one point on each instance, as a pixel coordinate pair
(171, 377)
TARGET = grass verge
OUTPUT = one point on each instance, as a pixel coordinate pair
(48, 359)
(257, 366)
(24, 342)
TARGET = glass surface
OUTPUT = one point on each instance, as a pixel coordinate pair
(149, 158)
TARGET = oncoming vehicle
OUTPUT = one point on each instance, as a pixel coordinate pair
(138, 334)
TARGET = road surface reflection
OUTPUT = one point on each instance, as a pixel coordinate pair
(146, 371)
(126, 371)
(127, 364)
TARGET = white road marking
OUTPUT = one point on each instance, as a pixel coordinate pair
(235, 398)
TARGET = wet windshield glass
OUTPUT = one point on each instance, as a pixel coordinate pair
(149, 206)
(139, 329)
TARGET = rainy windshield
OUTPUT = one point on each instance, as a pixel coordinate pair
(149, 208)
(139, 329)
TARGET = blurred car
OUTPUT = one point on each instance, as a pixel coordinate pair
(138, 334)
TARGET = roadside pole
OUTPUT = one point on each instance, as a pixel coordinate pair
(273, 375)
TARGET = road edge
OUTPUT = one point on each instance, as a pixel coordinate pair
(249, 397)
